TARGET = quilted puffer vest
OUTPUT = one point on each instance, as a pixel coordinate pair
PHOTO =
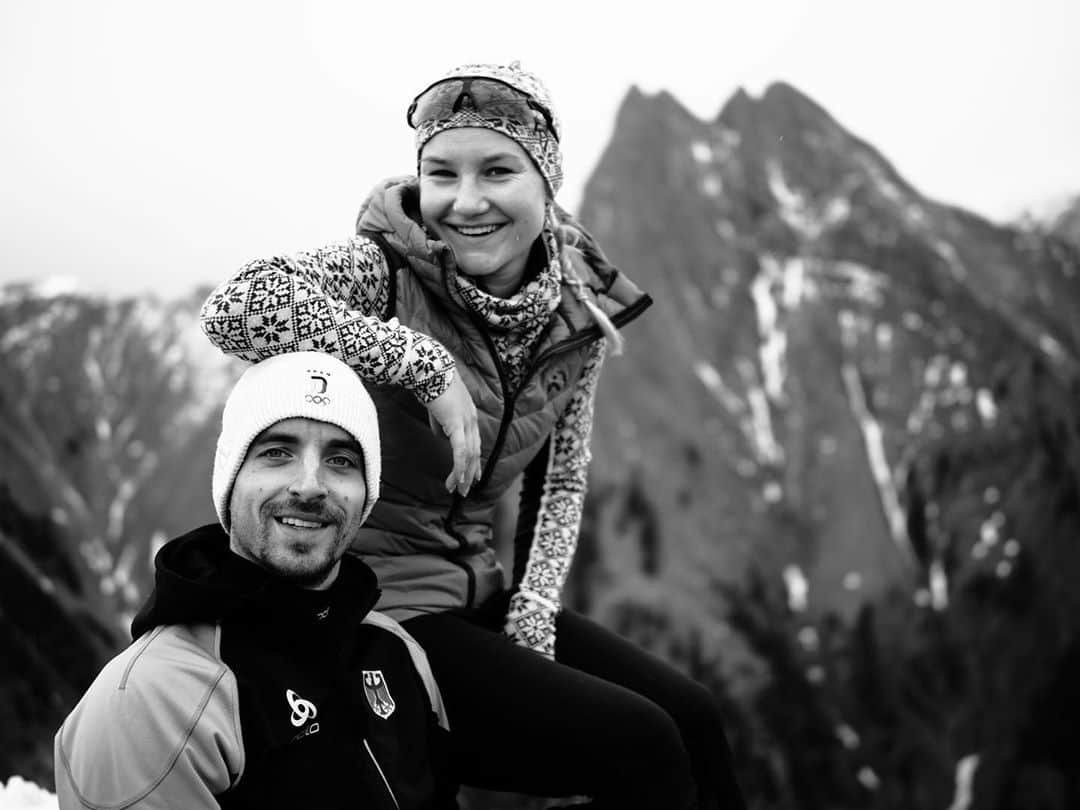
(430, 548)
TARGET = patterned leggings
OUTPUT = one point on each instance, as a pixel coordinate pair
(606, 719)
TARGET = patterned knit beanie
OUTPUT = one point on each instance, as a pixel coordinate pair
(310, 385)
(538, 135)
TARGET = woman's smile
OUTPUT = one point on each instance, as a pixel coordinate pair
(474, 231)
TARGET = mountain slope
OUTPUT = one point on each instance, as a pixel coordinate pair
(817, 320)
(852, 414)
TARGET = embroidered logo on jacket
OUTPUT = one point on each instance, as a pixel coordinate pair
(378, 695)
(302, 710)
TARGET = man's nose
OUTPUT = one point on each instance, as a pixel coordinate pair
(308, 483)
(470, 198)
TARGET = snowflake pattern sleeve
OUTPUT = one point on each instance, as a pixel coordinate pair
(331, 300)
(530, 618)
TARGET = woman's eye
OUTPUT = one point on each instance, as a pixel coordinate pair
(340, 461)
(499, 171)
(441, 173)
(273, 452)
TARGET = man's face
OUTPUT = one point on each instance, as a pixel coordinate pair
(297, 500)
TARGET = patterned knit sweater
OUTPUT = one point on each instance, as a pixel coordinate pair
(336, 299)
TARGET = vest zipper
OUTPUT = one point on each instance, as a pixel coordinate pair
(500, 437)
(375, 762)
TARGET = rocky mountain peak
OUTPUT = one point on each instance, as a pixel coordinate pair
(807, 296)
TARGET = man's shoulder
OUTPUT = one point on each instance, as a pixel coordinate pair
(166, 662)
(166, 693)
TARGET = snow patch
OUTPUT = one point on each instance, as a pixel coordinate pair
(808, 638)
(958, 375)
(21, 794)
(773, 340)
(852, 581)
(780, 286)
(912, 320)
(800, 214)
(797, 588)
(863, 284)
(948, 253)
(847, 736)
(939, 586)
(884, 336)
(772, 492)
(873, 440)
(714, 383)
(725, 230)
(762, 436)
(1051, 348)
(868, 778)
(965, 778)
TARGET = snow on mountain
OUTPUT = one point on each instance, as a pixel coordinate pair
(20, 794)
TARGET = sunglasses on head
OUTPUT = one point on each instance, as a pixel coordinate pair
(488, 98)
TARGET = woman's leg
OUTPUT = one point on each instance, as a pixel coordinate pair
(588, 647)
(522, 723)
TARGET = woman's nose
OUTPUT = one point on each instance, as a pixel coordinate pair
(470, 198)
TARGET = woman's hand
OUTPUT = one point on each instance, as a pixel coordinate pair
(453, 415)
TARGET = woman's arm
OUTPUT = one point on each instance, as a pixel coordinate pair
(337, 300)
(550, 517)
(334, 300)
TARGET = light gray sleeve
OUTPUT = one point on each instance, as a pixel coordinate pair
(158, 728)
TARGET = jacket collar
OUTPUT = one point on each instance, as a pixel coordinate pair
(199, 580)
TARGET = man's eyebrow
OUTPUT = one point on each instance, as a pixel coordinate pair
(275, 437)
(351, 445)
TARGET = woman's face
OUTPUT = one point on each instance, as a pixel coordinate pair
(482, 195)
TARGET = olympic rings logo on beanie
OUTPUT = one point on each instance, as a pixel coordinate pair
(310, 385)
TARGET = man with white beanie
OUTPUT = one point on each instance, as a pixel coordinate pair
(259, 675)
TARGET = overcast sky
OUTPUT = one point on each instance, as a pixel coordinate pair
(154, 146)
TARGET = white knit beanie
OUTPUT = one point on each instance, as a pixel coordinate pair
(310, 385)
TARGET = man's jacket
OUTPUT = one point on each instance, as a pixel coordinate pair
(243, 691)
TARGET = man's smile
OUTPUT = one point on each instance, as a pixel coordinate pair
(300, 523)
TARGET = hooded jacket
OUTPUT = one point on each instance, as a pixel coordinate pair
(391, 303)
(241, 690)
